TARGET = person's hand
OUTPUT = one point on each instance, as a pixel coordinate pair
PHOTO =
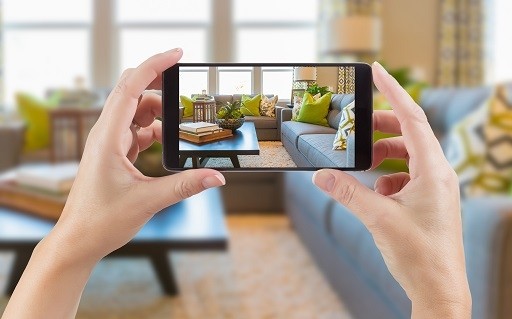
(414, 218)
(111, 200)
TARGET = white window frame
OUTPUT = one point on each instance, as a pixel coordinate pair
(23, 26)
(105, 37)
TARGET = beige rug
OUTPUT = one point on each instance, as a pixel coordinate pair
(266, 274)
(272, 154)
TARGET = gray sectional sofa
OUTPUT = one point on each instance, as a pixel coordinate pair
(345, 252)
(267, 128)
(310, 145)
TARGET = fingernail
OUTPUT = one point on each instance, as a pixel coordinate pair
(213, 181)
(177, 49)
(324, 180)
(379, 66)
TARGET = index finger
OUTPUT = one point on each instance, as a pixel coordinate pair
(423, 147)
(122, 103)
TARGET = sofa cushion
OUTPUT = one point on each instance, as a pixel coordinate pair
(447, 106)
(262, 121)
(338, 102)
(463, 102)
(292, 130)
(317, 148)
(221, 100)
(434, 103)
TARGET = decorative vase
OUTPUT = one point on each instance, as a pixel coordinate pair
(231, 124)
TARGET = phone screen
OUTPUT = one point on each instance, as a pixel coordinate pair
(267, 116)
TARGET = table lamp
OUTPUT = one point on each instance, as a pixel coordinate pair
(357, 35)
(303, 77)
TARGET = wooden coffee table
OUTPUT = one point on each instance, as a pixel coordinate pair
(196, 223)
(243, 142)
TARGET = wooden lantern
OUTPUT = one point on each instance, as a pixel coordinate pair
(204, 111)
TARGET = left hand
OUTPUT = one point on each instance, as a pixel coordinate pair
(111, 200)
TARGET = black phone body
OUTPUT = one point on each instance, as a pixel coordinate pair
(299, 145)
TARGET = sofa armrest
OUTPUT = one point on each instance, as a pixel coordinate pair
(279, 109)
(487, 228)
(286, 114)
(182, 109)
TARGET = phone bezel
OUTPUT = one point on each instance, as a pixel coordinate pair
(363, 115)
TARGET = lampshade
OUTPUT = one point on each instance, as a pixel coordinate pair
(352, 35)
(304, 73)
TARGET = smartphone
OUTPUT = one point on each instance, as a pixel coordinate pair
(267, 116)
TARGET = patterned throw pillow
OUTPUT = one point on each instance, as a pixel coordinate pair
(268, 106)
(496, 171)
(465, 147)
(345, 128)
(298, 104)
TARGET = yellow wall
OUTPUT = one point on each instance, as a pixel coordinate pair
(409, 35)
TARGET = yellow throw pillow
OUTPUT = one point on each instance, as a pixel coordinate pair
(250, 106)
(36, 114)
(298, 104)
(315, 112)
(188, 105)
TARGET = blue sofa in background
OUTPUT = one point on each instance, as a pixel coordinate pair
(346, 254)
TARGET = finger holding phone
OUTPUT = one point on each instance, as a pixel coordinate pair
(110, 199)
(415, 218)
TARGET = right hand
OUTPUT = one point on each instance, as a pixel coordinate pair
(415, 218)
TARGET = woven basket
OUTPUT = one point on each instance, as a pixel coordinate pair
(231, 124)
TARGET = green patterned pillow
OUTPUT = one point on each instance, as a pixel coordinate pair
(268, 106)
(345, 128)
(250, 106)
(495, 173)
(465, 147)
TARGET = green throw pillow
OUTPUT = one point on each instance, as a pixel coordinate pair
(188, 105)
(250, 106)
(315, 112)
(36, 114)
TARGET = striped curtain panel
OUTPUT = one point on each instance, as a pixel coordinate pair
(461, 55)
(346, 80)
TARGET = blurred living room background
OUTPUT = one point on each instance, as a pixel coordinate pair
(284, 249)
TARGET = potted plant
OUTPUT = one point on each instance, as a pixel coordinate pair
(230, 117)
(314, 89)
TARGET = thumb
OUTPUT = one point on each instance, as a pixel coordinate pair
(168, 190)
(348, 191)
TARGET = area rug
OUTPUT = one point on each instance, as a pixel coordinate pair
(265, 274)
(272, 154)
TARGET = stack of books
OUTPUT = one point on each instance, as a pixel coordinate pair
(40, 189)
(201, 132)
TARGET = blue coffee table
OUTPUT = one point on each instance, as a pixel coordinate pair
(197, 223)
